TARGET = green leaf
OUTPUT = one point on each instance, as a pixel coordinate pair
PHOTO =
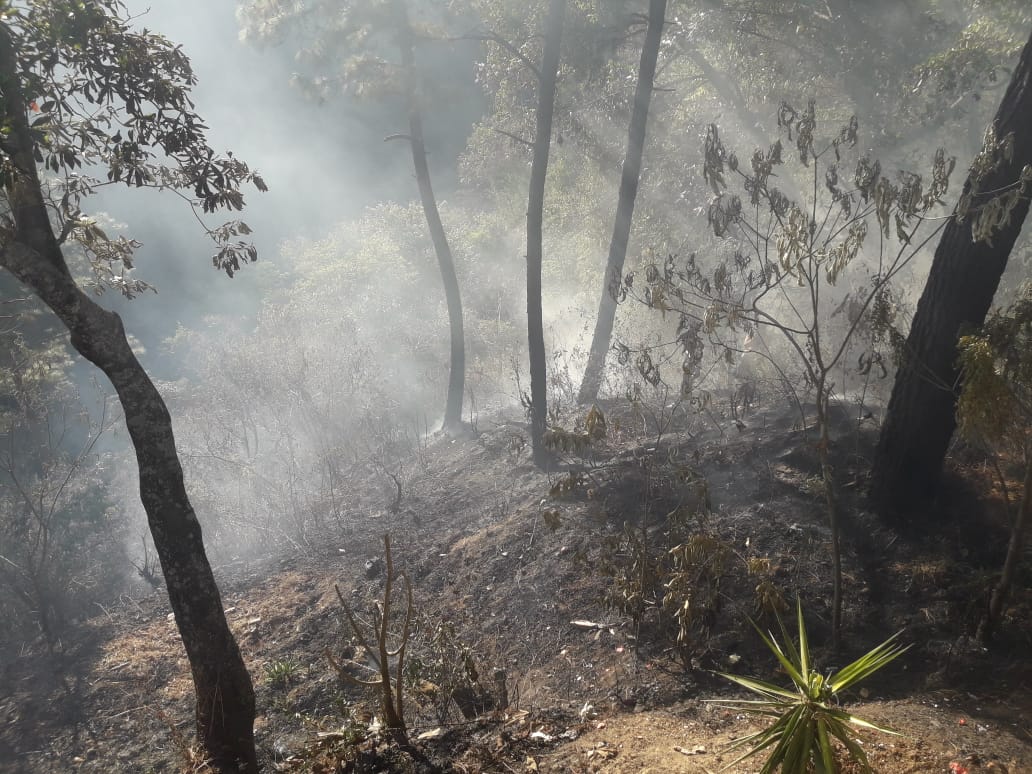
(792, 726)
(804, 648)
(867, 664)
(786, 663)
(853, 720)
(827, 753)
(761, 687)
(856, 752)
(799, 751)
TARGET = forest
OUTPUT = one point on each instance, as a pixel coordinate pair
(492, 386)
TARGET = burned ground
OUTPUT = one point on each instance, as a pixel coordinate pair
(540, 576)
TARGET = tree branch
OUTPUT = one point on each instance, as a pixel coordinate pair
(513, 137)
(494, 37)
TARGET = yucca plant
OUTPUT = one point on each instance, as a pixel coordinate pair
(807, 719)
(281, 673)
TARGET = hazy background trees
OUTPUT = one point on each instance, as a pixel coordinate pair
(376, 50)
(346, 261)
(324, 367)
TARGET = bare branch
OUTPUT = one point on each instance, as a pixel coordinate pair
(494, 37)
(514, 138)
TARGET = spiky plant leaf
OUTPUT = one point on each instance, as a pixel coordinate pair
(786, 662)
(803, 656)
(824, 745)
(761, 687)
(853, 720)
(868, 664)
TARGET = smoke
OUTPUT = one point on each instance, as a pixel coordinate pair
(333, 182)
(319, 366)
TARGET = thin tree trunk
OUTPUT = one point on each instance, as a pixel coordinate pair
(225, 696)
(1001, 591)
(535, 216)
(921, 414)
(457, 365)
(834, 511)
(600, 341)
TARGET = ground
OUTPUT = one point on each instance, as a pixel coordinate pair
(534, 609)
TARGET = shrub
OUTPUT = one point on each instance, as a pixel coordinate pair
(806, 719)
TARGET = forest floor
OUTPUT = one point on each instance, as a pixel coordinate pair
(525, 585)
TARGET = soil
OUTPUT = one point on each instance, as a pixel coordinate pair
(538, 644)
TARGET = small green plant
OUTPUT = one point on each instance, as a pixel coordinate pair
(282, 673)
(806, 719)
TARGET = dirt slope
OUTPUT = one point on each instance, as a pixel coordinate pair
(502, 559)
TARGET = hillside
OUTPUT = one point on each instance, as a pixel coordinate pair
(531, 580)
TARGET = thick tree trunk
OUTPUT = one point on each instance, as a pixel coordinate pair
(535, 217)
(225, 696)
(592, 380)
(921, 417)
(457, 366)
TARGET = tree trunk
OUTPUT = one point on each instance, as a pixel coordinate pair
(535, 215)
(625, 206)
(457, 365)
(831, 499)
(921, 414)
(225, 696)
(1001, 591)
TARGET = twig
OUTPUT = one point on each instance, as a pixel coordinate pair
(514, 137)
(124, 712)
(110, 617)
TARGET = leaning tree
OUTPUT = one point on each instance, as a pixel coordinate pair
(86, 103)
(969, 262)
(629, 178)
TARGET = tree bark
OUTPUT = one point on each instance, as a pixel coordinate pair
(535, 216)
(965, 274)
(629, 179)
(457, 366)
(32, 253)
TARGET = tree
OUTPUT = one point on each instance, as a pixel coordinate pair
(969, 261)
(103, 96)
(625, 206)
(327, 30)
(994, 410)
(547, 77)
(457, 368)
(53, 500)
(790, 259)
